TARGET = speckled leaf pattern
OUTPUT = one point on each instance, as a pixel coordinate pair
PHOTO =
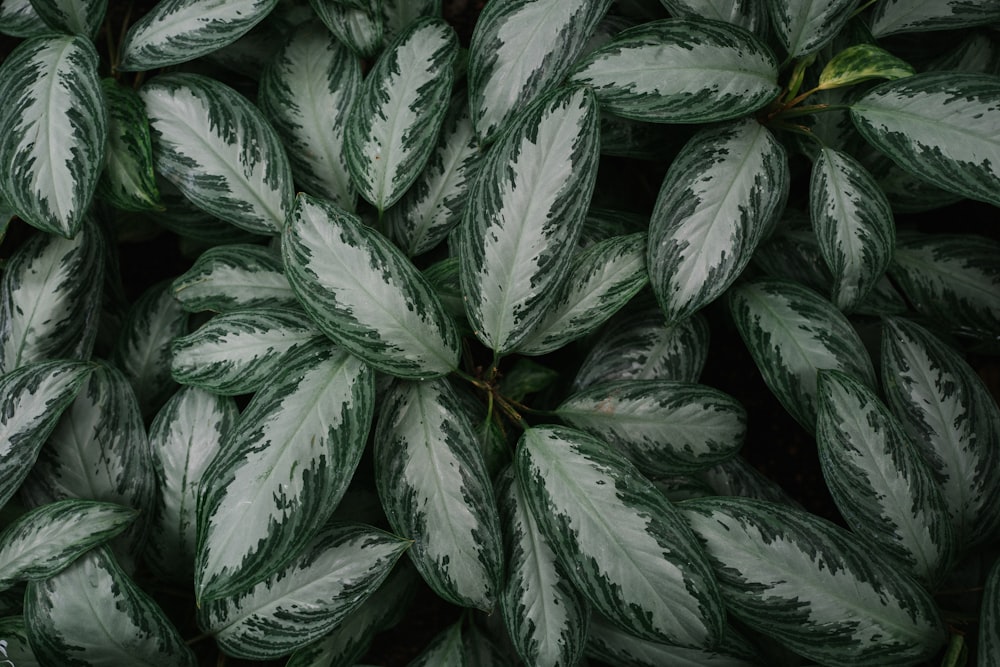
(53, 127)
(335, 573)
(989, 618)
(365, 294)
(681, 71)
(17, 650)
(50, 295)
(854, 225)
(716, 202)
(520, 50)
(196, 226)
(862, 62)
(737, 477)
(952, 418)
(232, 277)
(19, 19)
(805, 26)
(75, 17)
(880, 481)
(813, 586)
(792, 332)
(92, 614)
(175, 31)
(940, 126)
(128, 182)
(282, 469)
(524, 215)
(306, 92)
(360, 27)
(749, 14)
(241, 351)
(218, 149)
(435, 490)
(622, 543)
(895, 16)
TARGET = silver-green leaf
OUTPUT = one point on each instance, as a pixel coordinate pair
(805, 26)
(749, 14)
(128, 181)
(895, 16)
(359, 25)
(232, 277)
(19, 19)
(76, 17)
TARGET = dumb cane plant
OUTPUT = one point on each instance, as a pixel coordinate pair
(436, 335)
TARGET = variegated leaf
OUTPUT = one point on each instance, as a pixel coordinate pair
(853, 223)
(398, 15)
(16, 649)
(895, 16)
(53, 127)
(282, 469)
(989, 618)
(614, 646)
(737, 477)
(546, 616)
(19, 19)
(952, 418)
(241, 351)
(49, 298)
(435, 490)
(625, 137)
(218, 149)
(520, 50)
(306, 92)
(365, 294)
(92, 614)
(749, 14)
(76, 17)
(185, 436)
(524, 215)
(445, 650)
(861, 62)
(333, 575)
(232, 277)
(940, 126)
(664, 427)
(604, 223)
(32, 399)
(601, 280)
(978, 52)
(805, 27)
(175, 31)
(624, 545)
(881, 483)
(393, 125)
(444, 278)
(719, 197)
(185, 219)
(792, 333)
(128, 182)
(681, 71)
(359, 25)
(813, 586)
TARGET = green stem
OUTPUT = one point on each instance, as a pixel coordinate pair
(863, 8)
(199, 638)
(956, 655)
(809, 110)
(511, 413)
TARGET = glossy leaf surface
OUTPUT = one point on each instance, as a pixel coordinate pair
(234, 276)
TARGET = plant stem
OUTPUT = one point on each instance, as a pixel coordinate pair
(863, 8)
(957, 654)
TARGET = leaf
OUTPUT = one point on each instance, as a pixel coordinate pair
(360, 27)
(524, 215)
(624, 546)
(792, 333)
(681, 71)
(737, 477)
(989, 618)
(445, 650)
(53, 126)
(895, 16)
(435, 490)
(749, 14)
(862, 62)
(185, 219)
(521, 50)
(49, 298)
(813, 586)
(938, 126)
(239, 352)
(128, 182)
(715, 204)
(232, 277)
(393, 125)
(176, 31)
(306, 92)
(954, 421)
(219, 150)
(76, 17)
(806, 27)
(880, 482)
(854, 225)
(16, 649)
(282, 469)
(335, 573)
(976, 53)
(92, 614)
(601, 280)
(33, 397)
(365, 294)
(397, 15)
(19, 19)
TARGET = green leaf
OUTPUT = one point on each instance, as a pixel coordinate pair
(681, 71)
(989, 618)
(219, 150)
(749, 14)
(282, 469)
(335, 573)
(185, 219)
(939, 126)
(978, 52)
(393, 125)
(853, 223)
(76, 17)
(128, 182)
(883, 487)
(952, 418)
(737, 477)
(33, 398)
(862, 62)
(48, 538)
(49, 298)
(436, 491)
(718, 199)
(624, 546)
(806, 27)
(175, 31)
(16, 649)
(445, 650)
(232, 277)
(520, 50)
(365, 294)
(895, 16)
(241, 351)
(53, 127)
(19, 19)
(306, 92)
(525, 377)
(360, 27)
(524, 215)
(397, 15)
(814, 587)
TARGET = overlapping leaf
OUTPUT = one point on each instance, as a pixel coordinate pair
(445, 650)
(75, 17)
(614, 646)
(862, 62)
(128, 182)
(17, 650)
(185, 219)
(805, 27)
(234, 276)
(397, 15)
(896, 16)
(749, 14)
(359, 25)
(989, 618)
(19, 19)
(738, 477)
